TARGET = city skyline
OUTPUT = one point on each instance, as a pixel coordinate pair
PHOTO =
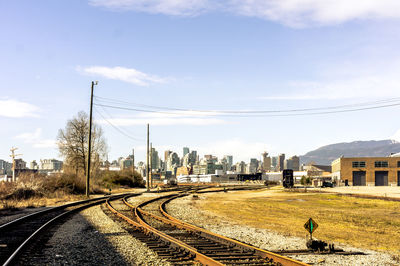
(305, 56)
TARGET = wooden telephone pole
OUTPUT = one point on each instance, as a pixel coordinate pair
(13, 155)
(147, 165)
(133, 162)
(90, 141)
(151, 165)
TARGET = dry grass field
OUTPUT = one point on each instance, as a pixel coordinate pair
(366, 223)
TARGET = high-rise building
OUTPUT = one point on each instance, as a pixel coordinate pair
(241, 167)
(33, 165)
(193, 157)
(266, 163)
(252, 166)
(50, 165)
(166, 155)
(155, 160)
(5, 168)
(281, 161)
(20, 164)
(293, 163)
(274, 162)
(210, 158)
(229, 161)
(288, 164)
(173, 162)
(185, 151)
(186, 160)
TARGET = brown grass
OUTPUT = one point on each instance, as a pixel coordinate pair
(366, 223)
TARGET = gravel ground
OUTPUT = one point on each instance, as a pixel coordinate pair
(269, 240)
(91, 237)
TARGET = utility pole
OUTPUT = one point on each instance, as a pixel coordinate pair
(90, 141)
(151, 165)
(147, 165)
(13, 155)
(133, 162)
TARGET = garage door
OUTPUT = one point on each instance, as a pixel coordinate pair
(359, 178)
(398, 178)
(381, 178)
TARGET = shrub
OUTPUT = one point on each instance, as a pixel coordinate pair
(125, 177)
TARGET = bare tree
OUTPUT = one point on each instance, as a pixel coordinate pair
(73, 143)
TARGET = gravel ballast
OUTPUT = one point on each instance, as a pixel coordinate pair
(91, 237)
(185, 209)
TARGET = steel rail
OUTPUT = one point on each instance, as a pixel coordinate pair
(208, 234)
(142, 225)
(218, 238)
(38, 213)
(87, 203)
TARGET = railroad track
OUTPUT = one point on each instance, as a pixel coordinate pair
(16, 236)
(182, 243)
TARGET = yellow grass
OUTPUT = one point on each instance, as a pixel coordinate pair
(366, 223)
(58, 198)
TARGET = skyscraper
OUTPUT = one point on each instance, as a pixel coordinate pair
(266, 163)
(155, 160)
(185, 151)
(229, 160)
(281, 161)
(166, 155)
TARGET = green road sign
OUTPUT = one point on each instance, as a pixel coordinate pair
(310, 225)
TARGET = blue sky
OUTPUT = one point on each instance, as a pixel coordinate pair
(198, 55)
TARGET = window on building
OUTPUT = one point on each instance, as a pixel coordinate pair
(398, 163)
(381, 164)
(358, 164)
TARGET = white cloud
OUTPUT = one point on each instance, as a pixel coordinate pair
(365, 87)
(17, 109)
(45, 143)
(301, 13)
(294, 13)
(129, 75)
(35, 139)
(30, 136)
(167, 7)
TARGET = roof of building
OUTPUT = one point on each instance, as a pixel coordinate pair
(325, 168)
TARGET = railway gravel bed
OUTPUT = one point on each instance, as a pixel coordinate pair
(184, 209)
(92, 238)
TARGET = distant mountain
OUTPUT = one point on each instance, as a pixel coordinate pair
(374, 148)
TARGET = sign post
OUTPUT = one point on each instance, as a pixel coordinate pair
(310, 226)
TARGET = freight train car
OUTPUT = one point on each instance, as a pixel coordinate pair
(287, 178)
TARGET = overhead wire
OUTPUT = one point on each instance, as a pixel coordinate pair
(113, 103)
(116, 127)
(215, 114)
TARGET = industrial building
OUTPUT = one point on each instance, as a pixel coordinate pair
(366, 171)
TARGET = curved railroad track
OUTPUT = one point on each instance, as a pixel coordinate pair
(17, 235)
(182, 243)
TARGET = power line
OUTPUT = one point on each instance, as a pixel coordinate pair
(125, 130)
(250, 115)
(117, 128)
(114, 102)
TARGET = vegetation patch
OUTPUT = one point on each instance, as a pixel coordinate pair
(111, 179)
(366, 223)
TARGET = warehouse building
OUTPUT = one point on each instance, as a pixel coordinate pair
(366, 171)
